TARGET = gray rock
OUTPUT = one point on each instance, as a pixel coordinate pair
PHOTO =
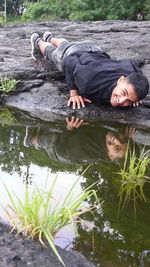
(16, 251)
(43, 91)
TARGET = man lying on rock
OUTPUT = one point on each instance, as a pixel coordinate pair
(91, 75)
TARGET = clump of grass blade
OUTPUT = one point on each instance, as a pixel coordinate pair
(7, 85)
(6, 116)
(37, 217)
(133, 177)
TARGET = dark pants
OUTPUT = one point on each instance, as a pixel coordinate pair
(57, 54)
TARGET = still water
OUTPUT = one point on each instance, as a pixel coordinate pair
(119, 233)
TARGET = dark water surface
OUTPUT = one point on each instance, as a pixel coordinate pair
(113, 237)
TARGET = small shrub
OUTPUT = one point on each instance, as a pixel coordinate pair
(7, 85)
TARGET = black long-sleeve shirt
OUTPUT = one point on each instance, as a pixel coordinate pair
(95, 74)
(83, 145)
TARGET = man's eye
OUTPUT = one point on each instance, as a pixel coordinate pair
(117, 148)
(124, 93)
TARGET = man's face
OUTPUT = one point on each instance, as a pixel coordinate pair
(115, 148)
(123, 94)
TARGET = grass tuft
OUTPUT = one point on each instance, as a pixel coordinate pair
(36, 217)
(7, 85)
(133, 177)
(6, 116)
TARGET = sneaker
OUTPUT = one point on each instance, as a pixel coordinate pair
(30, 134)
(35, 51)
(47, 36)
(27, 138)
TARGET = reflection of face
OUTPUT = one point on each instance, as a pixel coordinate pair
(114, 147)
(123, 94)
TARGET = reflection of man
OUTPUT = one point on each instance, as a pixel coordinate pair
(117, 144)
(116, 149)
(78, 144)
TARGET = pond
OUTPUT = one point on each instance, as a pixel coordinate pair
(35, 151)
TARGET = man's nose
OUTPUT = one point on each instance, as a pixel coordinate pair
(122, 99)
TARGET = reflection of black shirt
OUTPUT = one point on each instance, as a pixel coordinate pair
(82, 145)
(95, 75)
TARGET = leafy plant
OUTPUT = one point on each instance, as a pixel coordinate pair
(134, 176)
(6, 116)
(38, 219)
(1, 17)
(7, 85)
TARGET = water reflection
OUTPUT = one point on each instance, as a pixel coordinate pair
(79, 142)
(112, 240)
(125, 239)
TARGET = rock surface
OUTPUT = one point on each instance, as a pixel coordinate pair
(20, 252)
(43, 91)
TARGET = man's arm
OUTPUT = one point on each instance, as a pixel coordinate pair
(76, 100)
(73, 123)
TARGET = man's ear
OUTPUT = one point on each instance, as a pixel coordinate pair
(121, 79)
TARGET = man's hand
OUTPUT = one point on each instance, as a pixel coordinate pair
(74, 123)
(137, 103)
(77, 101)
(130, 132)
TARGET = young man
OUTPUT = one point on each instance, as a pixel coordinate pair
(91, 75)
(85, 145)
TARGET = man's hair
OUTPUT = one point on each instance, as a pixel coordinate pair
(140, 84)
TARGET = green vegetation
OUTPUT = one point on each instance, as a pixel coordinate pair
(38, 219)
(133, 177)
(1, 18)
(76, 9)
(6, 116)
(7, 85)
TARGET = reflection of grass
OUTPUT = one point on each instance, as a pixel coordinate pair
(6, 116)
(133, 177)
(38, 219)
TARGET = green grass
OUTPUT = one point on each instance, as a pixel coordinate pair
(133, 177)
(6, 116)
(37, 218)
(7, 85)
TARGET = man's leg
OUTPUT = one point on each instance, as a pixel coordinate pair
(60, 44)
(50, 48)
(57, 41)
(48, 37)
(54, 41)
(45, 48)
(71, 47)
(42, 45)
(39, 46)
